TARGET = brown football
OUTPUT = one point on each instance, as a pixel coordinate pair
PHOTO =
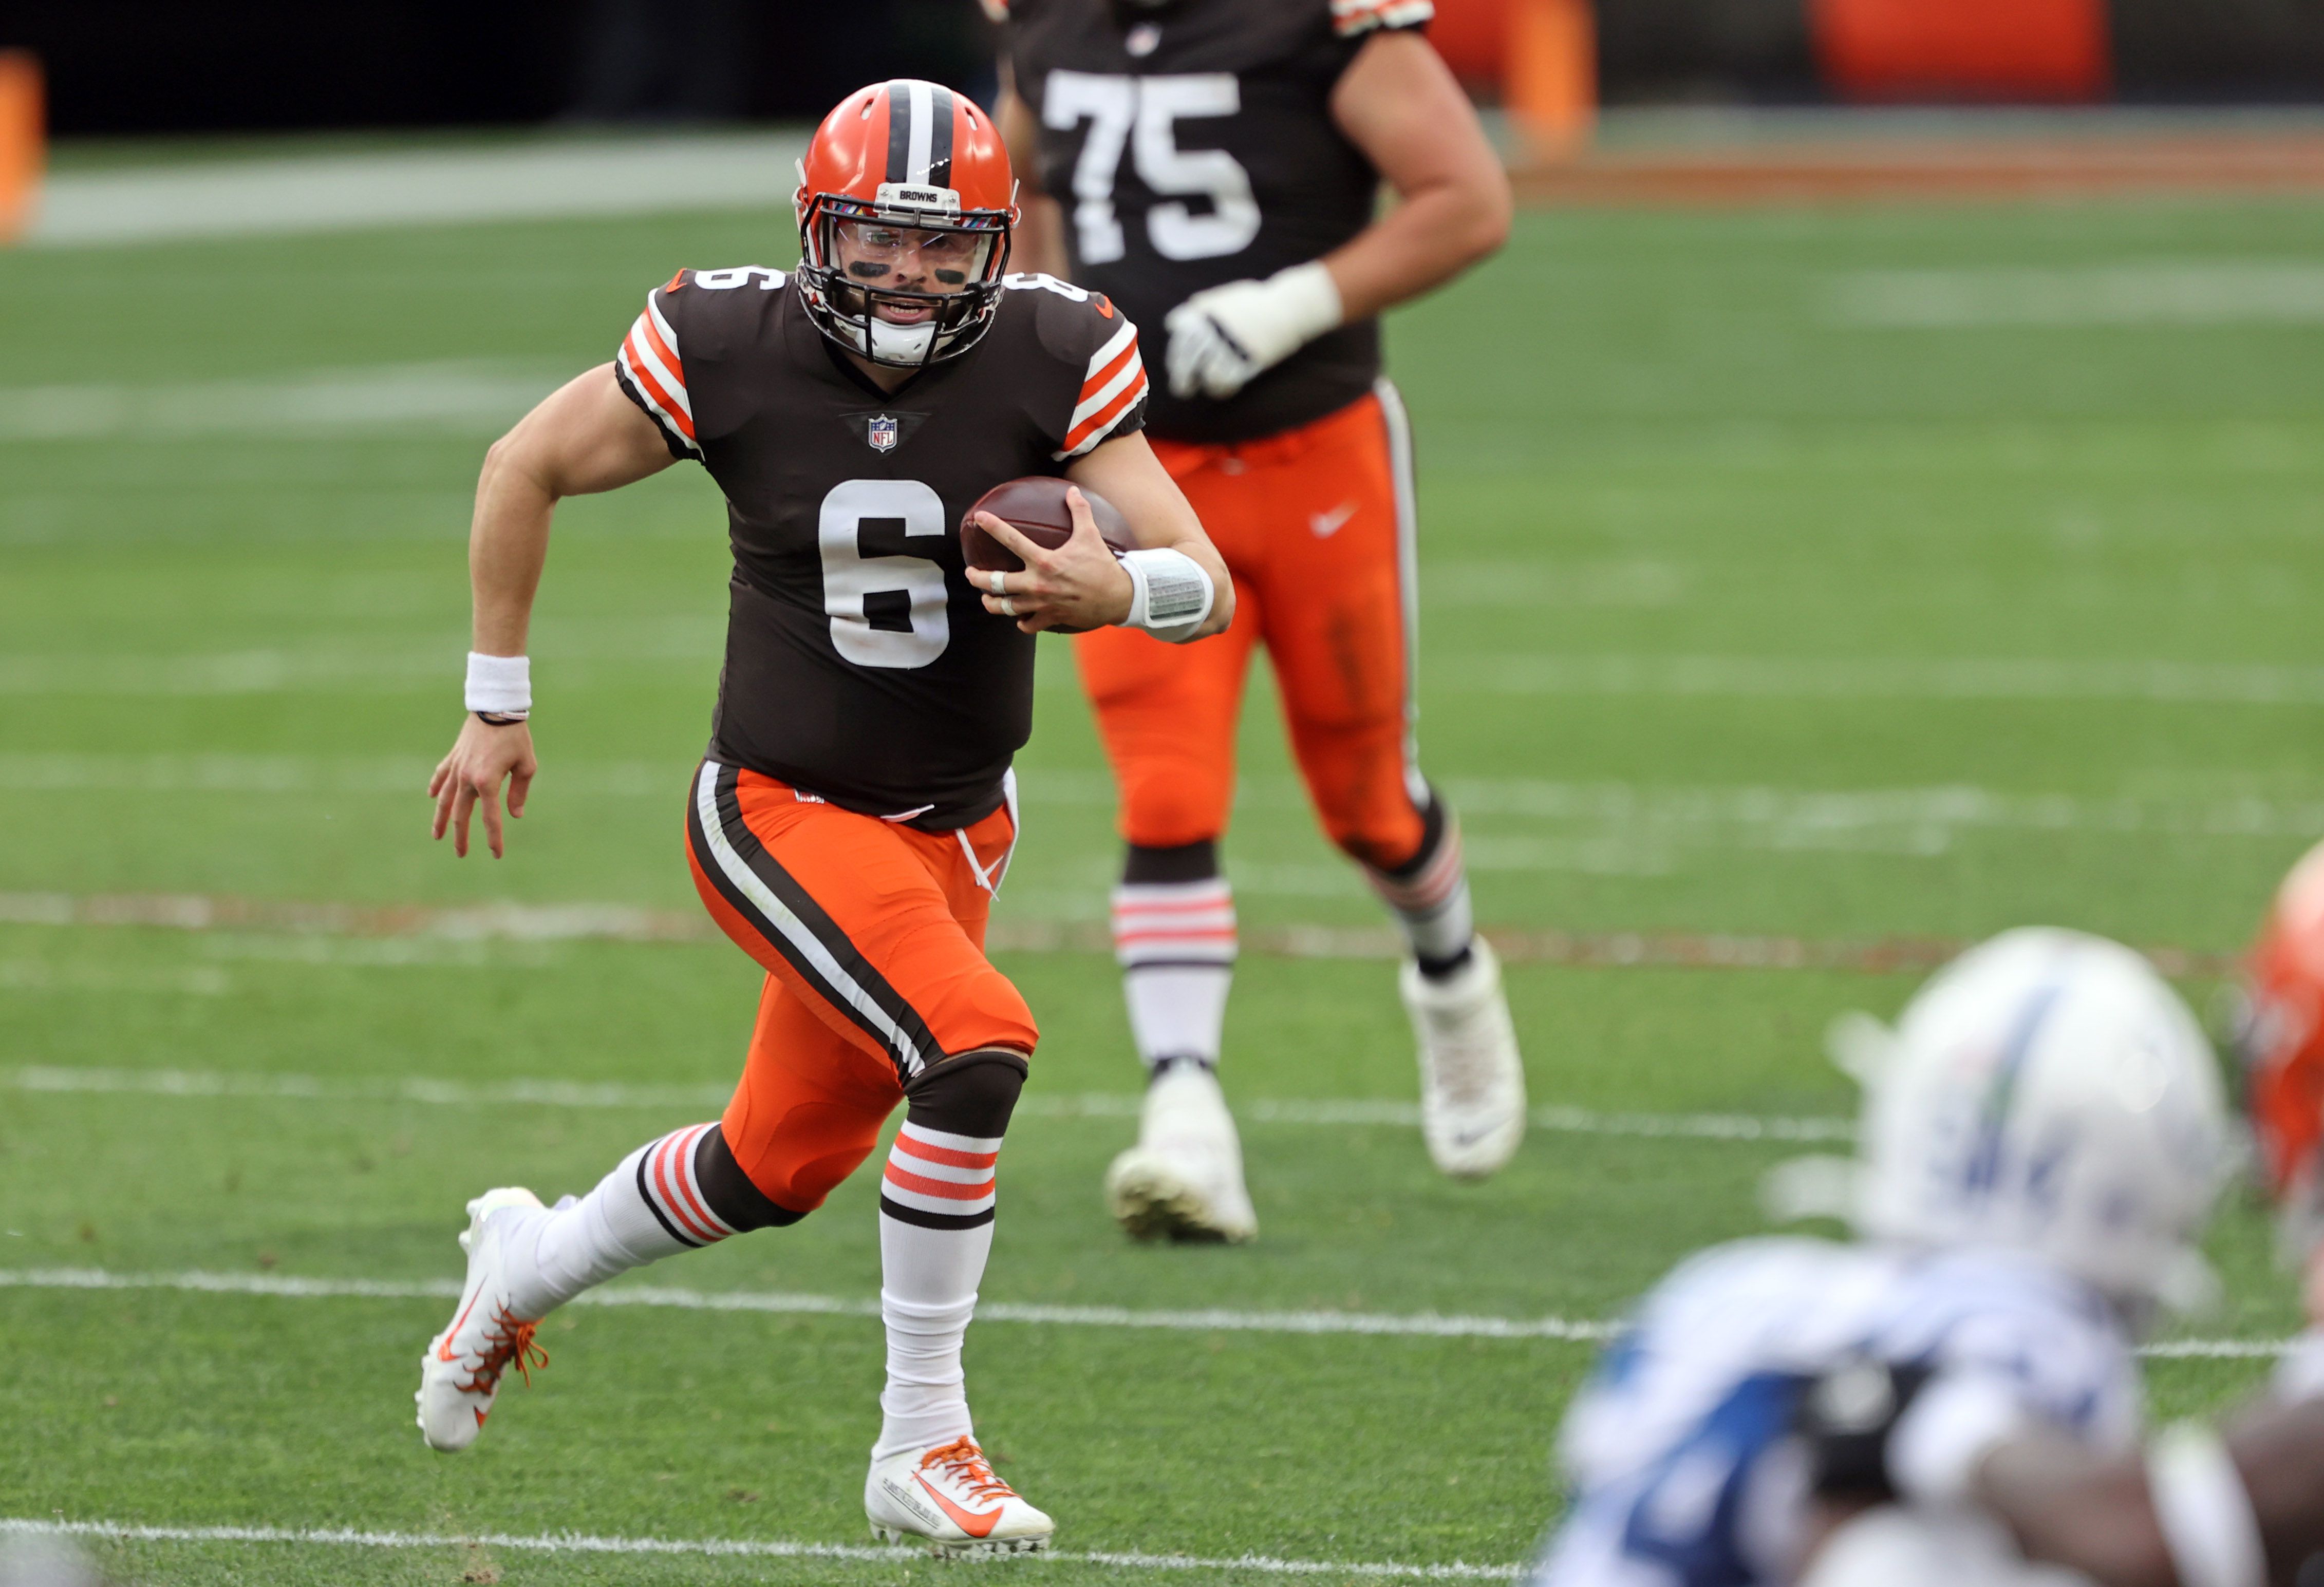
(1036, 505)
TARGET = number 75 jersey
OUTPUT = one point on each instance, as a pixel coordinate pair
(860, 667)
(1192, 144)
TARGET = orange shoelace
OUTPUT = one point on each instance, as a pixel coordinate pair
(508, 1343)
(965, 1463)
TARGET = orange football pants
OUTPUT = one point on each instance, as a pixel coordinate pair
(873, 937)
(1314, 524)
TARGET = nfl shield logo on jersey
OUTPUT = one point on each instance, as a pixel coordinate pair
(881, 433)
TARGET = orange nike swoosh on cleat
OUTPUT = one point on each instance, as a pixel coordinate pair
(443, 1352)
(968, 1521)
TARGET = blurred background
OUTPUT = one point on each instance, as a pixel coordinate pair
(251, 65)
(1673, 98)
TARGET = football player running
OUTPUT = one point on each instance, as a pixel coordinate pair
(854, 813)
(2043, 1135)
(1218, 163)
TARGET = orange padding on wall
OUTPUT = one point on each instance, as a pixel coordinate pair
(1551, 82)
(23, 141)
(1473, 38)
(2051, 49)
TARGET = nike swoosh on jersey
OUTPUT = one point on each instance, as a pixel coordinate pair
(968, 1521)
(1327, 524)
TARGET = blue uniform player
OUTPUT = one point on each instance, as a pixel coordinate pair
(2044, 1133)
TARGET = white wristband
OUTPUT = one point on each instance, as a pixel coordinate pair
(1170, 594)
(500, 686)
(2204, 1510)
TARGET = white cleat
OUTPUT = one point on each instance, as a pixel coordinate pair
(948, 1498)
(461, 1372)
(1184, 1178)
(1473, 1095)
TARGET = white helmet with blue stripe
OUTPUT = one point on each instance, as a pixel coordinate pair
(2046, 1092)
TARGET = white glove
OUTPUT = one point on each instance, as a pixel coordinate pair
(1223, 337)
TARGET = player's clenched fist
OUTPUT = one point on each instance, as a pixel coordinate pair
(483, 757)
(1079, 585)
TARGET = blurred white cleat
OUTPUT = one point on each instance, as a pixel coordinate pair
(1184, 1178)
(1472, 1095)
(461, 1372)
(949, 1499)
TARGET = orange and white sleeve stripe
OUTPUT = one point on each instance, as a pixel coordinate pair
(1114, 384)
(1350, 18)
(649, 363)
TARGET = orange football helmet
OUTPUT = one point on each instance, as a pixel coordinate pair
(2281, 1035)
(908, 155)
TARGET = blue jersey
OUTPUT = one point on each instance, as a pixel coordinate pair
(1678, 1450)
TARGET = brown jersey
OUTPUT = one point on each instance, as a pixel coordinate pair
(860, 665)
(1192, 144)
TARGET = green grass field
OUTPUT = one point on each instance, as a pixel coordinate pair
(1739, 616)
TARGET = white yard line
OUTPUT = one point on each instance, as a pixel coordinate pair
(1195, 1320)
(2151, 292)
(1198, 1320)
(538, 923)
(503, 182)
(1872, 678)
(730, 1548)
(1987, 679)
(459, 397)
(563, 1094)
(1924, 820)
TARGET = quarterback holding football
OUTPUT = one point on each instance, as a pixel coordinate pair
(855, 814)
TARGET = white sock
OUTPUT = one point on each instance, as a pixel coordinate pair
(649, 1207)
(937, 1199)
(1176, 942)
(1431, 902)
(928, 1294)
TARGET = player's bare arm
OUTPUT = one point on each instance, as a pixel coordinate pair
(1401, 106)
(1039, 243)
(584, 437)
(1081, 585)
(2102, 1516)
(2099, 1516)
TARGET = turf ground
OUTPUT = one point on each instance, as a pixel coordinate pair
(1741, 615)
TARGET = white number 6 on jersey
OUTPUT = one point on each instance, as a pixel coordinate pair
(884, 611)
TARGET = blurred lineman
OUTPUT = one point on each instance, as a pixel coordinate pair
(855, 812)
(1219, 163)
(2239, 1511)
(2043, 1135)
